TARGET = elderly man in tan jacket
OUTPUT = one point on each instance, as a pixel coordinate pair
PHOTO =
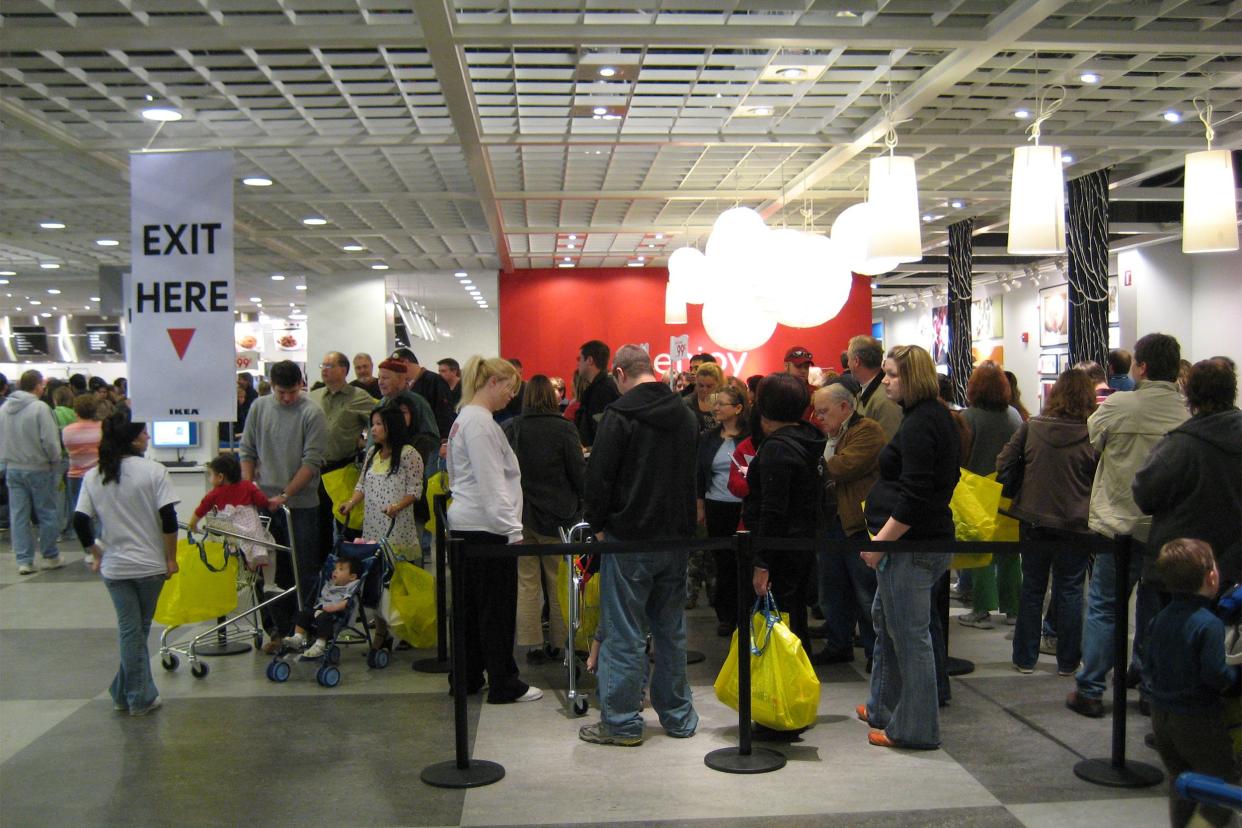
(846, 584)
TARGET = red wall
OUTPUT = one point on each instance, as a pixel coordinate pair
(545, 315)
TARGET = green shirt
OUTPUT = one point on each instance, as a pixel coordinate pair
(349, 414)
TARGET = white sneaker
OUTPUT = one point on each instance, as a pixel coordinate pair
(532, 694)
(150, 708)
(294, 642)
(316, 649)
(53, 563)
(26, 569)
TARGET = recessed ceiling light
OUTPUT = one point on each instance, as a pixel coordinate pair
(573, 237)
(256, 299)
(611, 117)
(277, 277)
(633, 264)
(651, 246)
(570, 246)
(299, 287)
(1173, 116)
(86, 307)
(19, 307)
(641, 258)
(461, 274)
(107, 242)
(1066, 158)
(957, 204)
(607, 71)
(52, 225)
(1022, 114)
(379, 267)
(467, 282)
(566, 264)
(95, 299)
(600, 110)
(157, 113)
(927, 217)
(314, 221)
(46, 315)
(659, 235)
(759, 111)
(1089, 77)
(257, 181)
(792, 72)
(568, 259)
(49, 265)
(475, 293)
(35, 302)
(353, 248)
(53, 291)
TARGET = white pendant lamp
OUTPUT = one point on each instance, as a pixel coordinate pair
(824, 285)
(688, 269)
(786, 270)
(674, 305)
(1037, 202)
(1037, 193)
(893, 192)
(735, 231)
(1209, 199)
(734, 322)
(851, 234)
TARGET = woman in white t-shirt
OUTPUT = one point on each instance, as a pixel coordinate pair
(487, 509)
(133, 500)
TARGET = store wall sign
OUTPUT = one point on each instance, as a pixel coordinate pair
(179, 298)
(546, 315)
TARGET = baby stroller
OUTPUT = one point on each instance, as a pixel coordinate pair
(352, 626)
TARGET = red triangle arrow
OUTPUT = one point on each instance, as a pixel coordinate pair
(181, 339)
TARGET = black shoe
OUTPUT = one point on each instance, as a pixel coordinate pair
(1133, 678)
(724, 629)
(1084, 705)
(830, 657)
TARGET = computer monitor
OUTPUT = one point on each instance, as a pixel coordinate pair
(175, 434)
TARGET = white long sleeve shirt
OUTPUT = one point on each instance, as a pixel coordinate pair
(484, 477)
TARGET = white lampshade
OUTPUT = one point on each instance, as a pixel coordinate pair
(1037, 202)
(851, 233)
(893, 192)
(823, 285)
(674, 305)
(1209, 203)
(735, 323)
(688, 269)
(734, 232)
(784, 272)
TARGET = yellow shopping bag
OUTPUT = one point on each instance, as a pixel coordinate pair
(974, 504)
(412, 599)
(1006, 527)
(339, 484)
(588, 607)
(437, 484)
(784, 690)
(195, 593)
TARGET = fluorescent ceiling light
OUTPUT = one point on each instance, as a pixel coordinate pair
(791, 72)
(107, 242)
(1173, 116)
(353, 248)
(1022, 114)
(5, 282)
(1089, 77)
(299, 287)
(8, 272)
(600, 110)
(314, 221)
(379, 267)
(277, 277)
(53, 291)
(157, 113)
(255, 299)
(49, 265)
(257, 181)
(607, 72)
(95, 299)
(35, 302)
(461, 274)
(52, 225)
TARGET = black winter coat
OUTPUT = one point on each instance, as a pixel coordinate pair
(553, 470)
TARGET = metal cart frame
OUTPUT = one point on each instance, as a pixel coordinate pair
(578, 533)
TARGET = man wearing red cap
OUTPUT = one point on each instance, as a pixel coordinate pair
(798, 362)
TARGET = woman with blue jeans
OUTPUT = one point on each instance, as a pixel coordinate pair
(910, 501)
(137, 551)
(1048, 467)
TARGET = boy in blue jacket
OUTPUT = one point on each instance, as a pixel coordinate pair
(1186, 671)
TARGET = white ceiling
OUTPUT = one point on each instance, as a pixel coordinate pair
(448, 135)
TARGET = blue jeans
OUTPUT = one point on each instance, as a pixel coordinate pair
(33, 491)
(640, 593)
(904, 698)
(1097, 633)
(846, 593)
(134, 600)
(1067, 567)
(306, 544)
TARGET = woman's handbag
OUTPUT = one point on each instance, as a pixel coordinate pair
(784, 690)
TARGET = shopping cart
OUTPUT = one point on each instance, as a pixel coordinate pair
(579, 567)
(245, 626)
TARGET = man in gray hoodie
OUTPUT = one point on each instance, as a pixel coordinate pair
(30, 455)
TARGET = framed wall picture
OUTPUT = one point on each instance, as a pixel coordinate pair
(987, 318)
(1045, 391)
(877, 330)
(1048, 364)
(940, 334)
(1054, 311)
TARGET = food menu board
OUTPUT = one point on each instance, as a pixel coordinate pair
(284, 339)
(103, 340)
(29, 340)
(248, 336)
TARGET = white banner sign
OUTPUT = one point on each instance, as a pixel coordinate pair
(179, 300)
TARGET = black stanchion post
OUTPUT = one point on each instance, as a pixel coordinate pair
(461, 771)
(439, 664)
(744, 758)
(1116, 771)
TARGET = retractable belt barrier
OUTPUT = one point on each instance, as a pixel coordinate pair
(466, 772)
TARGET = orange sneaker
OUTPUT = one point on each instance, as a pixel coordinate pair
(880, 739)
(861, 713)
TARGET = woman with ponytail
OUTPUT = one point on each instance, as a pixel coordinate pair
(486, 483)
(132, 498)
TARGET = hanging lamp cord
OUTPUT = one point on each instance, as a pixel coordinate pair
(1204, 110)
(890, 136)
(1045, 109)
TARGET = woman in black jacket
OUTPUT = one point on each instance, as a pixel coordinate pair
(784, 485)
(910, 501)
(550, 457)
(719, 509)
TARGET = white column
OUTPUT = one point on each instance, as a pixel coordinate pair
(347, 314)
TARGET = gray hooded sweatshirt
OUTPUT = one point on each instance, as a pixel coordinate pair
(29, 438)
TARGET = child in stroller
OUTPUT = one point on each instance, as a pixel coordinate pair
(332, 610)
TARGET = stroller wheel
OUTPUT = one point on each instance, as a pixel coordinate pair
(334, 654)
(377, 659)
(280, 671)
(580, 707)
(328, 676)
(267, 671)
(199, 670)
(170, 661)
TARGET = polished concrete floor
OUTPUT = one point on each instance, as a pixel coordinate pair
(234, 748)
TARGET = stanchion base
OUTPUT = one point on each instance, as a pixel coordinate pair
(695, 656)
(958, 666)
(1129, 775)
(478, 773)
(431, 665)
(731, 760)
(226, 648)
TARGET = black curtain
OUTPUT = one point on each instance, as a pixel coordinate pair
(1087, 233)
(961, 253)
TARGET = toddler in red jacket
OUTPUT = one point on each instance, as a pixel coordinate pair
(227, 489)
